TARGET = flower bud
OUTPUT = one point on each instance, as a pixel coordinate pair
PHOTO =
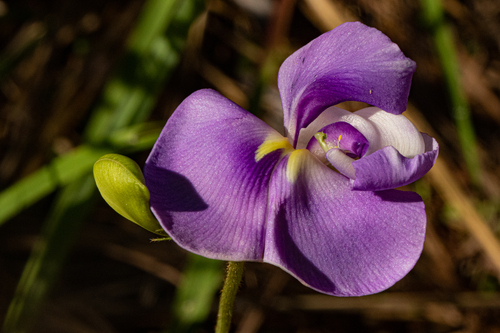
(121, 183)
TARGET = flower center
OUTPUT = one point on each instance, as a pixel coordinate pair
(339, 135)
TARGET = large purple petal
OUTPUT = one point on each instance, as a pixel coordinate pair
(353, 62)
(207, 189)
(338, 241)
(387, 168)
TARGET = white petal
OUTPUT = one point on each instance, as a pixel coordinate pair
(381, 128)
(393, 130)
(341, 162)
(334, 114)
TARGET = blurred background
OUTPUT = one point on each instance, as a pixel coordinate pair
(79, 79)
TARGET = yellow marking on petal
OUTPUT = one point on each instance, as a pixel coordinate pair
(272, 143)
(340, 137)
(296, 162)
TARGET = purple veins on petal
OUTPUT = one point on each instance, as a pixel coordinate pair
(338, 241)
(226, 186)
(207, 189)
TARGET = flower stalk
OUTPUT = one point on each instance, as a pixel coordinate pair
(229, 290)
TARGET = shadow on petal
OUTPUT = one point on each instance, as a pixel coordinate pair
(177, 192)
(398, 196)
(289, 252)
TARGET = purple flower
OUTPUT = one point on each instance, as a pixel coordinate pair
(227, 186)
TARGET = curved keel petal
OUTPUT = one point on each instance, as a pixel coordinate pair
(207, 188)
(387, 168)
(393, 130)
(337, 241)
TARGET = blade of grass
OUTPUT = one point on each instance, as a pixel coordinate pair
(195, 294)
(62, 225)
(441, 176)
(136, 137)
(129, 97)
(125, 103)
(155, 18)
(64, 169)
(121, 104)
(60, 172)
(443, 39)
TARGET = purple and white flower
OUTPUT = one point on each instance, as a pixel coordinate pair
(319, 202)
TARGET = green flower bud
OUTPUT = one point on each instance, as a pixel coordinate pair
(121, 183)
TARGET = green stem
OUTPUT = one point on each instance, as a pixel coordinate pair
(445, 46)
(229, 290)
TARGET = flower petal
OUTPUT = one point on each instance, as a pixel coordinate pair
(338, 241)
(207, 189)
(344, 136)
(353, 62)
(391, 130)
(387, 168)
(332, 115)
(341, 162)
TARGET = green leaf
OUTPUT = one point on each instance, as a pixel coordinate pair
(60, 172)
(137, 137)
(195, 295)
(127, 100)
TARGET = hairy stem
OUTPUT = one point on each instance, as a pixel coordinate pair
(229, 290)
